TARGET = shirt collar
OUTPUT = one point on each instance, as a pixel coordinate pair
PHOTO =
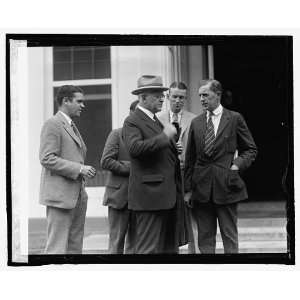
(217, 111)
(147, 112)
(172, 113)
(69, 120)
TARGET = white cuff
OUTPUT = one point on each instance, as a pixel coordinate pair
(81, 168)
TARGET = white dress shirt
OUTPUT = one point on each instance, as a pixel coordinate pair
(172, 116)
(216, 117)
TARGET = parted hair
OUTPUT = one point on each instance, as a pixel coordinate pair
(66, 91)
(179, 85)
(214, 85)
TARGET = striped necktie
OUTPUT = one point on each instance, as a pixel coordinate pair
(209, 136)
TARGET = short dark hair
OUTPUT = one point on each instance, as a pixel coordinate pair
(214, 85)
(179, 85)
(67, 91)
(133, 105)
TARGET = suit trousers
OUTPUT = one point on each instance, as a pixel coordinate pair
(121, 226)
(206, 216)
(154, 232)
(65, 228)
(191, 223)
(193, 233)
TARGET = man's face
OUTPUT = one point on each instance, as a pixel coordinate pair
(177, 98)
(75, 105)
(209, 99)
(153, 101)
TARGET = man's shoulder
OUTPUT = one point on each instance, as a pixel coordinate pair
(134, 117)
(231, 113)
(130, 118)
(189, 115)
(198, 118)
(53, 121)
(114, 136)
(115, 132)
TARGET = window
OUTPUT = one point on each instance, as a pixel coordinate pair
(89, 68)
(73, 63)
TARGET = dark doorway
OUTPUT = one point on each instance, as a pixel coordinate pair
(256, 74)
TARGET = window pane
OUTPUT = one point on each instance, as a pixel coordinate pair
(61, 54)
(102, 69)
(83, 54)
(102, 53)
(62, 71)
(96, 89)
(83, 70)
(86, 62)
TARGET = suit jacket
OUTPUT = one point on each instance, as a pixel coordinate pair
(204, 175)
(154, 164)
(62, 153)
(115, 159)
(185, 123)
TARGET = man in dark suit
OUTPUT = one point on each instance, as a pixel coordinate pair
(115, 159)
(62, 154)
(213, 184)
(154, 169)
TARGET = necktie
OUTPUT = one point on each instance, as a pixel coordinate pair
(75, 129)
(176, 125)
(209, 136)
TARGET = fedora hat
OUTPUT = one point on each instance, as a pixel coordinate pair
(149, 82)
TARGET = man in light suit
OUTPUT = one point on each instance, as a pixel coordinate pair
(177, 115)
(115, 159)
(181, 119)
(62, 154)
(213, 182)
(154, 171)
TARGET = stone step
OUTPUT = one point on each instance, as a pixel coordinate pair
(261, 222)
(95, 242)
(259, 234)
(252, 247)
(249, 245)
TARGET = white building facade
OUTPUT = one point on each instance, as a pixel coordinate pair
(107, 75)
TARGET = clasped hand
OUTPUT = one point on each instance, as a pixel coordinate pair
(88, 171)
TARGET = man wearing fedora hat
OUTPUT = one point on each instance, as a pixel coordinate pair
(154, 168)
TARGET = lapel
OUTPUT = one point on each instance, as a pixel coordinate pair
(202, 128)
(184, 121)
(155, 126)
(69, 129)
(223, 122)
(81, 140)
